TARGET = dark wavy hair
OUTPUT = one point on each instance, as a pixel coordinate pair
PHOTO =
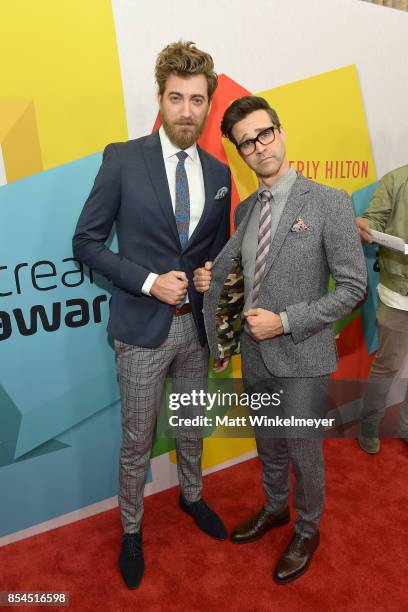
(241, 108)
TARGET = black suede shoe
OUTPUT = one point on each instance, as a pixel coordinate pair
(256, 526)
(131, 561)
(296, 558)
(205, 518)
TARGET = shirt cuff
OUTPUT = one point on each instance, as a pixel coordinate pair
(285, 322)
(147, 285)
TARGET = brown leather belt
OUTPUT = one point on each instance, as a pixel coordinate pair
(186, 308)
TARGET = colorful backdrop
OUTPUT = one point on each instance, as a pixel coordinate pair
(78, 75)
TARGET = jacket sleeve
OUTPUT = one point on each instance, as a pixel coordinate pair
(95, 224)
(379, 211)
(346, 263)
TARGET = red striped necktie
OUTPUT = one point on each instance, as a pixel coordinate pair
(264, 241)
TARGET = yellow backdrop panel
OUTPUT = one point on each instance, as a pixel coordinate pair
(63, 55)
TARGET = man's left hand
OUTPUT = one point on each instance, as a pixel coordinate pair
(263, 323)
(202, 277)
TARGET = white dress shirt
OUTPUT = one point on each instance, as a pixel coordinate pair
(195, 179)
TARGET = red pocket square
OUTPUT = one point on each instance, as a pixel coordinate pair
(299, 226)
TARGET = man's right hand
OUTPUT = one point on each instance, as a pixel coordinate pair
(202, 277)
(364, 230)
(171, 287)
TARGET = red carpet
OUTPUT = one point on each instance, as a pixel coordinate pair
(361, 565)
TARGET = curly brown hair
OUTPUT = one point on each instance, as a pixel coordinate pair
(184, 59)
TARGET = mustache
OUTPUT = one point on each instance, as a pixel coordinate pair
(186, 122)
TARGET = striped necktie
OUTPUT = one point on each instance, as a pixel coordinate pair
(264, 241)
(182, 203)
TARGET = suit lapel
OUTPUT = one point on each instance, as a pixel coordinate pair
(209, 191)
(291, 211)
(233, 246)
(153, 155)
(235, 242)
(246, 215)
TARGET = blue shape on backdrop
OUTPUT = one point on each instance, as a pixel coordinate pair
(59, 398)
(361, 200)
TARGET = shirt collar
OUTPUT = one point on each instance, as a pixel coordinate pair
(284, 184)
(169, 149)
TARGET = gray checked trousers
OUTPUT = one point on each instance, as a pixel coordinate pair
(142, 373)
(304, 398)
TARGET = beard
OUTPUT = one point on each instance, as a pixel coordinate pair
(184, 133)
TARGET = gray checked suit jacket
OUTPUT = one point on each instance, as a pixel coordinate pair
(296, 279)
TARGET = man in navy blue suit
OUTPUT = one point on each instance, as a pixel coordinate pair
(170, 202)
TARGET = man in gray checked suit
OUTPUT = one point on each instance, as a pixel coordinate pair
(290, 236)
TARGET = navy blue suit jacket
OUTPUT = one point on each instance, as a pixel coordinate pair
(131, 191)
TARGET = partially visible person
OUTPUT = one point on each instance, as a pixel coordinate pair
(388, 213)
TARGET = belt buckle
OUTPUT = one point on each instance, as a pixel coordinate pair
(182, 310)
(179, 310)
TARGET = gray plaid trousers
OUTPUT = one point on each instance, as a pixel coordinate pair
(141, 374)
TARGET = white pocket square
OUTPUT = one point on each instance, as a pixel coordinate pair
(221, 193)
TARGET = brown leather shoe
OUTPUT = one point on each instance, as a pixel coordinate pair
(255, 527)
(296, 558)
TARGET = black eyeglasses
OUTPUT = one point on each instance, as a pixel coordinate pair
(267, 136)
